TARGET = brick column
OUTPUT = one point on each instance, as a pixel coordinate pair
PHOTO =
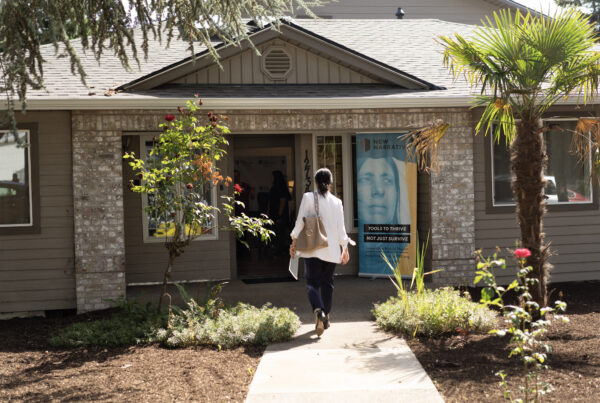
(453, 206)
(98, 212)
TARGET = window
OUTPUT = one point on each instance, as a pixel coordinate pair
(15, 180)
(156, 227)
(568, 181)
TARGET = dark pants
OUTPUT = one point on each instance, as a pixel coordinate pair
(319, 283)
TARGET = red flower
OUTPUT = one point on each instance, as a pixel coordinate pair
(522, 253)
(237, 188)
(169, 118)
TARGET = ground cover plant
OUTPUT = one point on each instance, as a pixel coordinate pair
(205, 322)
(429, 313)
(433, 313)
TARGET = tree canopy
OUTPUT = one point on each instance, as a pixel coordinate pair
(107, 26)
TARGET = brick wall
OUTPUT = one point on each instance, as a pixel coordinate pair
(98, 195)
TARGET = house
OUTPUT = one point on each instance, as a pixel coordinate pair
(81, 238)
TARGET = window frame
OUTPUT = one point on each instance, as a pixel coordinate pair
(493, 208)
(34, 226)
(146, 238)
(346, 173)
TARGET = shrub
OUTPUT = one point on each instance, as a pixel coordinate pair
(433, 313)
(230, 327)
(133, 324)
(205, 321)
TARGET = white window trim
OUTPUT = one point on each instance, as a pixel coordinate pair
(30, 224)
(346, 173)
(151, 239)
(512, 204)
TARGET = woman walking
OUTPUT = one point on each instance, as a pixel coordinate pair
(319, 264)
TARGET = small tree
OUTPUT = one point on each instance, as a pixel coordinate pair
(178, 178)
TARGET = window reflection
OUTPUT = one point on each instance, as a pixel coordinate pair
(567, 179)
(15, 195)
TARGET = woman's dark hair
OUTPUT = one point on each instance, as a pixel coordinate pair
(323, 179)
(279, 180)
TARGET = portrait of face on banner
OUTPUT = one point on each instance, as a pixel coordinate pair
(386, 196)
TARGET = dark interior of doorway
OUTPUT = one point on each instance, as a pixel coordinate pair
(256, 157)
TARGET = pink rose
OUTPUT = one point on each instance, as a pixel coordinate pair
(522, 253)
(169, 118)
(237, 188)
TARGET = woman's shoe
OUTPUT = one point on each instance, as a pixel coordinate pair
(320, 321)
(326, 322)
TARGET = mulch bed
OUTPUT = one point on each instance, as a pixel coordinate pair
(463, 367)
(30, 370)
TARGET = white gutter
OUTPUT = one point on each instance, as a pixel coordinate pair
(63, 103)
(141, 103)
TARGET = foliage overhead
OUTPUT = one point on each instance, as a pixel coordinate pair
(107, 26)
(521, 65)
(589, 7)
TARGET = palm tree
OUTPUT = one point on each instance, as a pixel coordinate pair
(523, 65)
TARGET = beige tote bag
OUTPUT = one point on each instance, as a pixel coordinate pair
(313, 236)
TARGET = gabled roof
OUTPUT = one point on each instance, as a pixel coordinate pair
(402, 48)
(290, 31)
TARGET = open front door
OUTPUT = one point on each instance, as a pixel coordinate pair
(264, 169)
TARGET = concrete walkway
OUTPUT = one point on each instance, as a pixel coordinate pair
(351, 362)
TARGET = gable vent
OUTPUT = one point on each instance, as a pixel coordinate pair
(277, 63)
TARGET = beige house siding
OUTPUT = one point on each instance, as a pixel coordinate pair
(37, 270)
(462, 11)
(306, 68)
(574, 235)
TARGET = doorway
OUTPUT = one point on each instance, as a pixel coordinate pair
(264, 168)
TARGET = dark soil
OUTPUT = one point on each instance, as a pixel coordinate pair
(30, 370)
(463, 366)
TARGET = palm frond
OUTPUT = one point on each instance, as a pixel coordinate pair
(422, 145)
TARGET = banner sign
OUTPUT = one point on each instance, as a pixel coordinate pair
(387, 204)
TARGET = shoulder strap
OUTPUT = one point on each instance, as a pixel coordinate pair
(316, 203)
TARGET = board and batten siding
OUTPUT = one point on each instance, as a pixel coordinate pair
(37, 271)
(307, 68)
(146, 261)
(574, 235)
(462, 11)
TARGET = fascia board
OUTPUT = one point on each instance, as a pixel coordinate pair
(245, 103)
(147, 103)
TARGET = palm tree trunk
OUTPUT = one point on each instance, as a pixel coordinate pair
(528, 159)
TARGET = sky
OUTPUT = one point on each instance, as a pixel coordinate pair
(547, 6)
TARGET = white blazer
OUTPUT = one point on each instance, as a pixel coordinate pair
(331, 212)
